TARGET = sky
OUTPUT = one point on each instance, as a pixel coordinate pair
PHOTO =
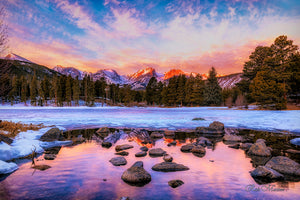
(127, 35)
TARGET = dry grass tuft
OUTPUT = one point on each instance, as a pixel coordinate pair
(12, 129)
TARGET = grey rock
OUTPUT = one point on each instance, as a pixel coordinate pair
(156, 135)
(106, 144)
(198, 149)
(234, 146)
(141, 154)
(266, 174)
(136, 175)
(245, 146)
(122, 153)
(49, 156)
(118, 161)
(123, 147)
(144, 148)
(217, 126)
(169, 167)
(156, 152)
(259, 149)
(284, 165)
(233, 138)
(203, 141)
(52, 135)
(187, 148)
(175, 183)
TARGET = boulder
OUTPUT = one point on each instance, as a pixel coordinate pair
(168, 158)
(122, 153)
(259, 160)
(136, 175)
(175, 183)
(53, 150)
(198, 150)
(49, 156)
(123, 147)
(260, 141)
(245, 146)
(142, 135)
(144, 148)
(187, 148)
(52, 135)
(259, 149)
(156, 135)
(5, 139)
(106, 144)
(203, 141)
(284, 165)
(173, 143)
(169, 167)
(141, 154)
(265, 174)
(233, 138)
(217, 126)
(156, 152)
(118, 161)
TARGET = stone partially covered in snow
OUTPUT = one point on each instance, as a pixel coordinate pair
(51, 135)
(6, 168)
(284, 165)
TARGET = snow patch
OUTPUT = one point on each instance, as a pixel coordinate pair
(6, 168)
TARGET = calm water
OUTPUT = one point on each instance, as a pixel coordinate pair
(78, 173)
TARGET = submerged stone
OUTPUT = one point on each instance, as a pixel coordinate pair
(175, 183)
(169, 167)
(141, 154)
(118, 161)
(284, 165)
(136, 175)
(265, 174)
(156, 152)
(123, 147)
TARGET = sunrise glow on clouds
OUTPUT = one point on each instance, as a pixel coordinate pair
(130, 35)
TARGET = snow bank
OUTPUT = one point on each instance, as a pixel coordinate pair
(6, 168)
(25, 143)
(295, 141)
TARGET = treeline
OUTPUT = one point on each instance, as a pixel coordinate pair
(67, 91)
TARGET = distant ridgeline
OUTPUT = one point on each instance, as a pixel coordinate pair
(270, 78)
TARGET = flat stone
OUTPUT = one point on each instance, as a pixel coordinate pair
(106, 144)
(141, 154)
(156, 152)
(175, 183)
(122, 153)
(123, 147)
(118, 161)
(198, 149)
(234, 138)
(169, 167)
(41, 167)
(234, 146)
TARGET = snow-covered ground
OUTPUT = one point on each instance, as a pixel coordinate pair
(171, 118)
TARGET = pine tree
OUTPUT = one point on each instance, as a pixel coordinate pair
(150, 91)
(172, 91)
(76, 91)
(23, 90)
(189, 90)
(213, 91)
(198, 91)
(69, 90)
(181, 89)
(33, 90)
(165, 95)
(45, 86)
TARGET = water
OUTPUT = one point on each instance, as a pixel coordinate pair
(79, 171)
(171, 118)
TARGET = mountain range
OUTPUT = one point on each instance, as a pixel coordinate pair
(137, 80)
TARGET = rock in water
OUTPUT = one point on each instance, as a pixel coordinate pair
(144, 148)
(51, 135)
(141, 154)
(198, 149)
(156, 135)
(234, 138)
(284, 165)
(136, 175)
(122, 153)
(217, 125)
(168, 158)
(187, 148)
(123, 147)
(245, 146)
(175, 183)
(169, 167)
(106, 144)
(157, 152)
(265, 174)
(118, 161)
(214, 128)
(259, 149)
(49, 156)
(41, 167)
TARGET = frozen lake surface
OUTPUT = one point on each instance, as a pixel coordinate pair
(171, 118)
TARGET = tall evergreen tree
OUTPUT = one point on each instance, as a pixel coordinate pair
(197, 95)
(46, 87)
(33, 90)
(23, 90)
(213, 91)
(76, 91)
(181, 79)
(151, 91)
(69, 90)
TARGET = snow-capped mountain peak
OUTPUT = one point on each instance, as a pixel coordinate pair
(142, 72)
(13, 56)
